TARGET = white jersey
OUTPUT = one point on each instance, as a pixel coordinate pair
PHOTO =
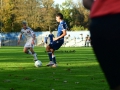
(28, 33)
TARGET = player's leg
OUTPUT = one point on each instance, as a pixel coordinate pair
(48, 49)
(51, 48)
(33, 53)
(53, 56)
(53, 60)
(26, 50)
(87, 43)
(29, 50)
(27, 47)
(56, 47)
(105, 41)
(45, 44)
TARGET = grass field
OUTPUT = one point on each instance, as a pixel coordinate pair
(76, 70)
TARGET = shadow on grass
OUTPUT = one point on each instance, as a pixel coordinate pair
(75, 71)
(46, 78)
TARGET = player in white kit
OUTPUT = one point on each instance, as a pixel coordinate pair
(30, 36)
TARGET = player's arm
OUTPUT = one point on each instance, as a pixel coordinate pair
(88, 3)
(64, 31)
(33, 36)
(19, 39)
(64, 34)
(32, 33)
(33, 41)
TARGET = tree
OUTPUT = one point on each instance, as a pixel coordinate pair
(80, 15)
(48, 15)
(66, 10)
(40, 14)
(6, 15)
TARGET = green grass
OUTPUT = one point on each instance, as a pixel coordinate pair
(76, 70)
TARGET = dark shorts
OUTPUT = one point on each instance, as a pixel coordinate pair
(105, 40)
(46, 42)
(55, 45)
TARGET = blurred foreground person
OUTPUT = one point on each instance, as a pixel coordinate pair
(105, 36)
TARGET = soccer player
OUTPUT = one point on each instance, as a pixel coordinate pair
(58, 42)
(30, 36)
(51, 36)
(87, 41)
(105, 36)
(46, 40)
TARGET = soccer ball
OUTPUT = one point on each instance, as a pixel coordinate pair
(38, 63)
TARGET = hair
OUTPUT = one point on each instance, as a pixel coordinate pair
(24, 22)
(59, 15)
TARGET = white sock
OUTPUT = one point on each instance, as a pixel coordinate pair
(29, 52)
(35, 56)
(53, 56)
(51, 62)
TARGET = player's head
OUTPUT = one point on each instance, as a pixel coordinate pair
(59, 17)
(24, 24)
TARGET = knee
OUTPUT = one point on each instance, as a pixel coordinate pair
(25, 51)
(48, 48)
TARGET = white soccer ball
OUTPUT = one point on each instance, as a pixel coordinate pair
(38, 63)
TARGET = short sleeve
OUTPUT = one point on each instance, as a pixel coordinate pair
(31, 31)
(53, 36)
(21, 32)
(64, 26)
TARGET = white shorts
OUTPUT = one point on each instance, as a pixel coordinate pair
(29, 44)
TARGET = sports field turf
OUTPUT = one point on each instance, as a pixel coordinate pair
(77, 70)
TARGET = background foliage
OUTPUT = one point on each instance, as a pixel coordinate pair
(40, 14)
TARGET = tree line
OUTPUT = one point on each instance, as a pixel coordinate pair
(40, 15)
